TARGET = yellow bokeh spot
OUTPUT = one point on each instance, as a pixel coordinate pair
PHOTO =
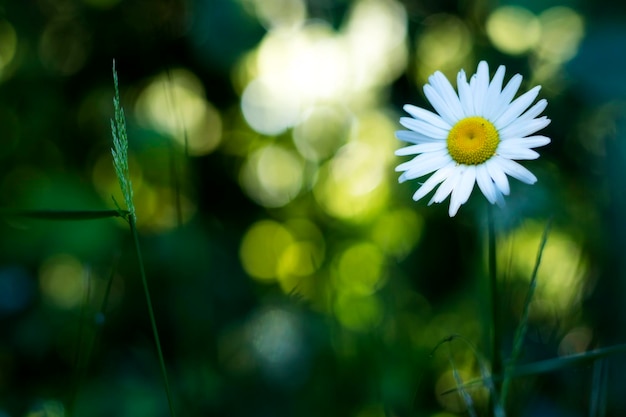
(298, 67)
(272, 176)
(563, 265)
(278, 13)
(105, 180)
(323, 130)
(158, 208)
(452, 400)
(309, 63)
(302, 259)
(443, 46)
(62, 279)
(360, 269)
(513, 29)
(359, 313)
(562, 29)
(299, 259)
(296, 268)
(8, 45)
(161, 208)
(289, 253)
(352, 185)
(397, 232)
(174, 104)
(295, 68)
(375, 36)
(267, 109)
(262, 249)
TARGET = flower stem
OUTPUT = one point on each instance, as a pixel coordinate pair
(496, 365)
(133, 228)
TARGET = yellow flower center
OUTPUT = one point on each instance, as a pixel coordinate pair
(473, 140)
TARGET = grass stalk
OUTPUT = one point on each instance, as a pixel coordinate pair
(597, 402)
(120, 163)
(520, 332)
(63, 214)
(496, 359)
(552, 365)
(155, 331)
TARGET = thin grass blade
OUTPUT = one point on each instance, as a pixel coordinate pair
(120, 163)
(553, 365)
(64, 214)
(597, 403)
(520, 332)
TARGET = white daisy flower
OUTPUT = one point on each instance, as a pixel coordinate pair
(474, 138)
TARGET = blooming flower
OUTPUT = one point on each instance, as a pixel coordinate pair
(474, 138)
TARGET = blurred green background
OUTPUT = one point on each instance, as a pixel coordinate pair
(291, 275)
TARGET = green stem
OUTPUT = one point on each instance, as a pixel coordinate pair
(133, 228)
(496, 365)
(520, 332)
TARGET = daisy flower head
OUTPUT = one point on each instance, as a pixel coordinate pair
(475, 136)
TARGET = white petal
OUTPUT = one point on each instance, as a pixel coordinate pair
(445, 90)
(516, 170)
(493, 92)
(419, 167)
(448, 185)
(527, 142)
(463, 189)
(434, 180)
(424, 128)
(499, 198)
(485, 183)
(517, 107)
(439, 104)
(523, 128)
(480, 87)
(498, 176)
(414, 137)
(421, 148)
(535, 110)
(465, 94)
(427, 116)
(507, 95)
(515, 152)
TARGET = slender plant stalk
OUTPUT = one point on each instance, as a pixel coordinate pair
(120, 163)
(520, 332)
(551, 365)
(63, 214)
(496, 365)
(597, 402)
(144, 281)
